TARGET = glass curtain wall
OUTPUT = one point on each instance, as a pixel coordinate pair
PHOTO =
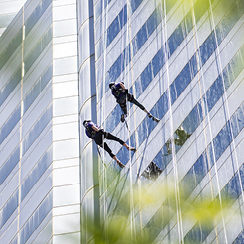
(183, 60)
(26, 124)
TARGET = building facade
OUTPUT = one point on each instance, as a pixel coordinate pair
(39, 127)
(183, 60)
(8, 9)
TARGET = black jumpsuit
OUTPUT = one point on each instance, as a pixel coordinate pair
(99, 136)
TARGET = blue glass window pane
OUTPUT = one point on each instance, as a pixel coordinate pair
(158, 62)
(193, 66)
(124, 155)
(135, 4)
(9, 208)
(200, 168)
(154, 20)
(117, 25)
(210, 156)
(188, 25)
(240, 238)
(222, 141)
(10, 124)
(9, 165)
(38, 88)
(132, 140)
(208, 48)
(139, 39)
(144, 129)
(234, 125)
(161, 107)
(214, 93)
(183, 79)
(36, 173)
(228, 75)
(146, 78)
(36, 15)
(236, 65)
(200, 7)
(195, 175)
(234, 68)
(192, 121)
(41, 45)
(113, 119)
(9, 87)
(175, 39)
(229, 20)
(173, 92)
(37, 129)
(233, 188)
(188, 183)
(240, 117)
(117, 67)
(163, 157)
(11, 48)
(98, 9)
(36, 218)
(197, 234)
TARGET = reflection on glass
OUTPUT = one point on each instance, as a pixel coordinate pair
(9, 208)
(36, 173)
(9, 87)
(36, 15)
(10, 124)
(37, 129)
(10, 49)
(37, 50)
(9, 165)
(38, 87)
(36, 218)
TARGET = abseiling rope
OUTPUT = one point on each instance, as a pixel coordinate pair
(176, 182)
(130, 67)
(102, 113)
(196, 45)
(227, 102)
(210, 132)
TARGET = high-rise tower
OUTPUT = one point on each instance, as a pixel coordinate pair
(183, 60)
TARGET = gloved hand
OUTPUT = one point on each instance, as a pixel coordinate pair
(126, 91)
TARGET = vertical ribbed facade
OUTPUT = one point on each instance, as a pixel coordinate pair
(87, 111)
(66, 153)
(39, 146)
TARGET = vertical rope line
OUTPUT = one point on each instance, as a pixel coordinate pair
(196, 44)
(227, 102)
(211, 137)
(176, 183)
(130, 47)
(226, 108)
(129, 53)
(21, 115)
(102, 113)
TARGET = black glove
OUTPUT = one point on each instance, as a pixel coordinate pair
(126, 91)
(101, 132)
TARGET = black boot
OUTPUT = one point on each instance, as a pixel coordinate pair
(122, 118)
(155, 119)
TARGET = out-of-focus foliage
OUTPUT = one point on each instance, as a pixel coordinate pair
(138, 214)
